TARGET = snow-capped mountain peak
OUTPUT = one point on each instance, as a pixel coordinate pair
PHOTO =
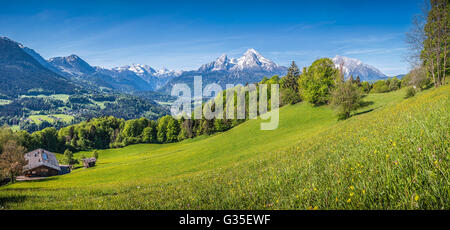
(138, 69)
(251, 60)
(355, 67)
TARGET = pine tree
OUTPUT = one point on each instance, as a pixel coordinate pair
(358, 81)
(289, 85)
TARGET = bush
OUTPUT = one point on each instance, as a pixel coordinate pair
(95, 154)
(346, 98)
(410, 92)
(68, 158)
(380, 86)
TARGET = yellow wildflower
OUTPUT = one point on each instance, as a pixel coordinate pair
(416, 198)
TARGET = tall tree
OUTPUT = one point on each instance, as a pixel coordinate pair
(437, 38)
(12, 160)
(346, 98)
(358, 81)
(289, 86)
(173, 130)
(318, 80)
(415, 37)
(68, 157)
(149, 134)
(162, 128)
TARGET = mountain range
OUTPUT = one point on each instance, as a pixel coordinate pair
(250, 67)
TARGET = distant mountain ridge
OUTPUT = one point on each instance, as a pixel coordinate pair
(249, 68)
(21, 72)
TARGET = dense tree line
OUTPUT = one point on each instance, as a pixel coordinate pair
(82, 107)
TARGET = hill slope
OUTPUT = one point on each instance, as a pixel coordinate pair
(393, 157)
(20, 72)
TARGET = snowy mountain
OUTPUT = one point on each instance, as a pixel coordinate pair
(252, 60)
(354, 67)
(249, 68)
(156, 78)
(78, 70)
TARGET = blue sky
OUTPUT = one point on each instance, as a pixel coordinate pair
(186, 34)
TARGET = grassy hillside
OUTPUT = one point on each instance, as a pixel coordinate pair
(393, 154)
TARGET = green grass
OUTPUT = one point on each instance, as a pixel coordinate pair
(15, 128)
(61, 97)
(4, 101)
(50, 118)
(101, 104)
(392, 155)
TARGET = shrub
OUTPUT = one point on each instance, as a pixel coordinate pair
(346, 97)
(410, 92)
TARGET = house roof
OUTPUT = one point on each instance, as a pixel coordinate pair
(41, 157)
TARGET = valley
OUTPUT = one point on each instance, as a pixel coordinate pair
(310, 161)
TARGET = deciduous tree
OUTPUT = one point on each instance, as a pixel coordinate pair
(12, 160)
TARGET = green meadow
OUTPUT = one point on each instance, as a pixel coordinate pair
(51, 118)
(393, 153)
(4, 101)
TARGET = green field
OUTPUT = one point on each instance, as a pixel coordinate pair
(4, 102)
(51, 118)
(61, 97)
(393, 154)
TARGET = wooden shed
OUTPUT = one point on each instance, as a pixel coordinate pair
(41, 163)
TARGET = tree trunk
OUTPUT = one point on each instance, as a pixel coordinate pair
(432, 71)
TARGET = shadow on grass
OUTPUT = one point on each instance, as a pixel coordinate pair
(39, 180)
(12, 199)
(363, 105)
(363, 112)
